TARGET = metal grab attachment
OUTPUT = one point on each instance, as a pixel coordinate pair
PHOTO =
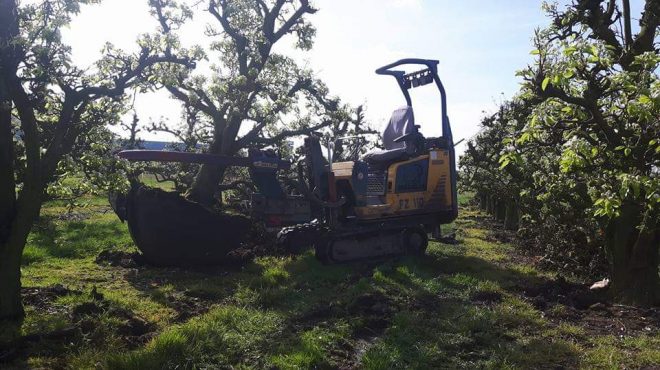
(255, 161)
(262, 164)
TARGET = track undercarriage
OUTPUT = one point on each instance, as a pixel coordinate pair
(356, 242)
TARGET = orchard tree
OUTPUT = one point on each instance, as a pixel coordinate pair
(585, 159)
(599, 98)
(497, 184)
(253, 95)
(515, 180)
(191, 134)
(49, 108)
(133, 128)
(194, 132)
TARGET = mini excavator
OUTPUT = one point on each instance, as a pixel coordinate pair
(386, 203)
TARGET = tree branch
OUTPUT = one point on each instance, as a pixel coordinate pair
(627, 29)
(254, 132)
(295, 17)
(591, 14)
(234, 185)
(649, 24)
(126, 80)
(240, 41)
(289, 133)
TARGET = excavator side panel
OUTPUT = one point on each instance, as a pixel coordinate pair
(420, 185)
(404, 197)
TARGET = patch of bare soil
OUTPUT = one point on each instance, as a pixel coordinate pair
(134, 330)
(42, 298)
(73, 216)
(371, 312)
(258, 243)
(188, 305)
(486, 297)
(611, 319)
(88, 323)
(116, 258)
(375, 311)
(17, 350)
(561, 291)
(500, 235)
(561, 300)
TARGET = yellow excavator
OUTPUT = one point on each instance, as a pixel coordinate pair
(387, 202)
(384, 203)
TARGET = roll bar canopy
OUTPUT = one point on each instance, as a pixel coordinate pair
(418, 78)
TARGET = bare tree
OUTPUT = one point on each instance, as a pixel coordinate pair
(254, 96)
(46, 105)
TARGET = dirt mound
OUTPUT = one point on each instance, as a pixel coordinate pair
(187, 306)
(120, 258)
(562, 291)
(375, 311)
(43, 297)
(134, 330)
(562, 300)
(486, 297)
(172, 231)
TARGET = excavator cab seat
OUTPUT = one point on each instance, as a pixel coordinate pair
(401, 140)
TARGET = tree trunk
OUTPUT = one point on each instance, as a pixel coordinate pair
(11, 306)
(483, 201)
(511, 216)
(7, 182)
(209, 177)
(206, 184)
(11, 252)
(633, 246)
(490, 208)
(10, 282)
(500, 210)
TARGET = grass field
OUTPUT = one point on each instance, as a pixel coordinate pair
(474, 304)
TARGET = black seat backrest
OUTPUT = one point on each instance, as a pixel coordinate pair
(401, 123)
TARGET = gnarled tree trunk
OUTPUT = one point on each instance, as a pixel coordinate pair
(10, 282)
(500, 210)
(206, 184)
(483, 201)
(209, 177)
(511, 216)
(633, 246)
(11, 252)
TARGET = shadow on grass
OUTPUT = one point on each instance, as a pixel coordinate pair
(458, 313)
(413, 312)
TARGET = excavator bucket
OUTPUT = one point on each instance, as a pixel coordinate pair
(170, 230)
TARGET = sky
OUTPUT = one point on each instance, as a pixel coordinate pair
(480, 45)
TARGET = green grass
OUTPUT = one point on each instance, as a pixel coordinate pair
(225, 336)
(294, 313)
(150, 180)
